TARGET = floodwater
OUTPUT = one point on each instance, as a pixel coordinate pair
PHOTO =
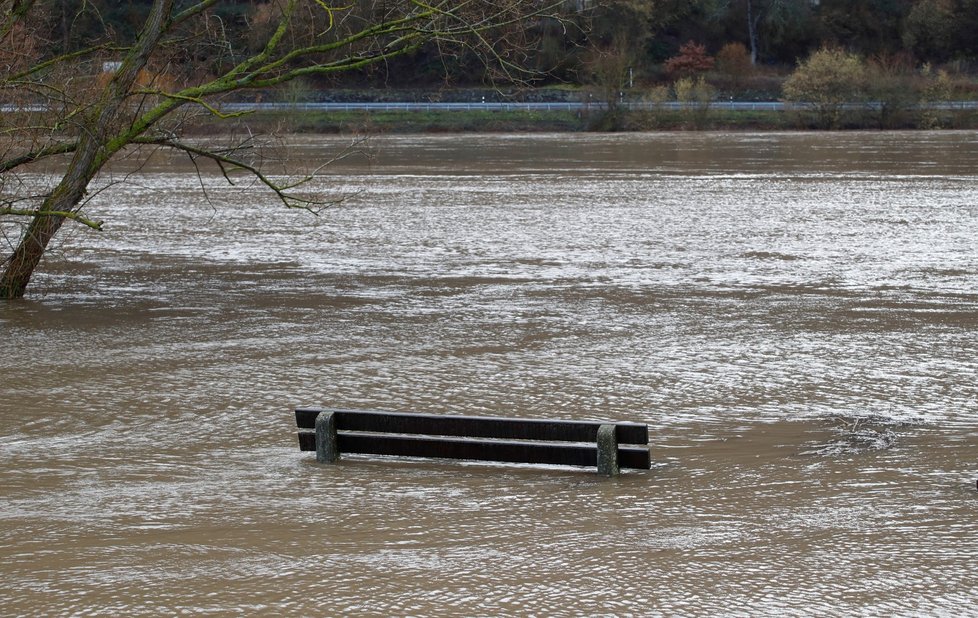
(794, 315)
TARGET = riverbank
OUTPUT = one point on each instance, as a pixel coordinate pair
(699, 118)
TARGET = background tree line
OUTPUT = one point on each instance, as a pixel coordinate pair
(774, 32)
(646, 34)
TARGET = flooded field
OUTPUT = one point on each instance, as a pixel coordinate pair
(794, 315)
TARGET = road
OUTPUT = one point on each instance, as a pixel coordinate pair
(771, 106)
(494, 106)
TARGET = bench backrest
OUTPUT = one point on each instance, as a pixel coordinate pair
(475, 437)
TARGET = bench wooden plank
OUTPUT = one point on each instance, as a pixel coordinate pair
(510, 451)
(472, 426)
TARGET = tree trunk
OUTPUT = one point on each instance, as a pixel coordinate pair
(24, 260)
(92, 153)
(752, 24)
(42, 228)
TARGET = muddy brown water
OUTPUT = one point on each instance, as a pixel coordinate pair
(793, 314)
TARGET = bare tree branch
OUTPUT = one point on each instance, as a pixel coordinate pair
(90, 97)
(228, 162)
(71, 215)
(43, 153)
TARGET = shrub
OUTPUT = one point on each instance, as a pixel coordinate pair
(827, 81)
(939, 90)
(891, 89)
(695, 96)
(692, 59)
(733, 60)
(658, 95)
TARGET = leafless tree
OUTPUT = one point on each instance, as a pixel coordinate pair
(76, 105)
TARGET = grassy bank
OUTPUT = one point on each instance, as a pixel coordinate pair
(374, 122)
(471, 121)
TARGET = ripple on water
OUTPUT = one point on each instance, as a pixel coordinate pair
(149, 465)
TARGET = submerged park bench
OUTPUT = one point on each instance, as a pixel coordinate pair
(609, 446)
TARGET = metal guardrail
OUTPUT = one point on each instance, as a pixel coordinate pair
(10, 109)
(405, 106)
(496, 106)
(770, 106)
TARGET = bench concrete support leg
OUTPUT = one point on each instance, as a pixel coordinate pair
(326, 448)
(607, 451)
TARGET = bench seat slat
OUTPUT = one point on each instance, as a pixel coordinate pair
(478, 450)
(472, 426)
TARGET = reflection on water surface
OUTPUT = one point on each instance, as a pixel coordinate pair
(748, 296)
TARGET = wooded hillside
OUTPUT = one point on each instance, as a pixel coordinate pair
(643, 35)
